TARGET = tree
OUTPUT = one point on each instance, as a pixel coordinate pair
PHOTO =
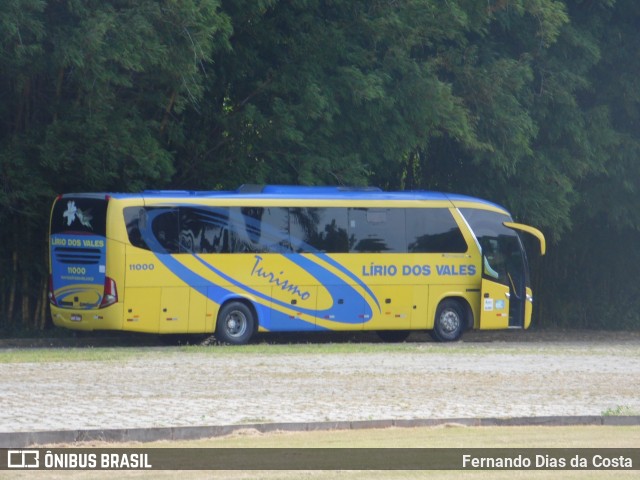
(90, 88)
(589, 280)
(529, 103)
(317, 92)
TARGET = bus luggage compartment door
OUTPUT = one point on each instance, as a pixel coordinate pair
(141, 307)
(174, 310)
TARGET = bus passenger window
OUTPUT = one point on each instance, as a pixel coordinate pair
(374, 230)
(135, 219)
(433, 230)
(244, 230)
(333, 237)
(319, 230)
(204, 230)
(253, 222)
(164, 225)
(275, 230)
(215, 230)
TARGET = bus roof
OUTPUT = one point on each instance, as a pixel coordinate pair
(289, 192)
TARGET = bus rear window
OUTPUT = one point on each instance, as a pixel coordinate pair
(73, 215)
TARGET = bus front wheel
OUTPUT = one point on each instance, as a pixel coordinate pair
(449, 322)
(236, 323)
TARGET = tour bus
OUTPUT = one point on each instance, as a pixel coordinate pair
(287, 258)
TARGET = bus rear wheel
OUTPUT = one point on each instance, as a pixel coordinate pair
(236, 324)
(449, 322)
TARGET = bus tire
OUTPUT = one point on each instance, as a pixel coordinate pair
(236, 323)
(393, 336)
(450, 321)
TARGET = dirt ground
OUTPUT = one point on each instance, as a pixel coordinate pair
(501, 374)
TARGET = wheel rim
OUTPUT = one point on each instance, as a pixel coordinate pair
(236, 323)
(449, 321)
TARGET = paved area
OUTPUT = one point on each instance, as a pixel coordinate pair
(167, 387)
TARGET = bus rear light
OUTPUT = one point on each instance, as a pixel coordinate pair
(110, 293)
(50, 294)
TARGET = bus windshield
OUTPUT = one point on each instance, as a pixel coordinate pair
(503, 256)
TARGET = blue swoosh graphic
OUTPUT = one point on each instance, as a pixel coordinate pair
(354, 311)
(350, 274)
(348, 306)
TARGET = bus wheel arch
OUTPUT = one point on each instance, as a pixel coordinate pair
(237, 322)
(453, 316)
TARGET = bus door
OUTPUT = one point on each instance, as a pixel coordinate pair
(504, 281)
(495, 292)
(504, 278)
(517, 273)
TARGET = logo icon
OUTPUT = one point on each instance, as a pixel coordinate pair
(23, 459)
(72, 212)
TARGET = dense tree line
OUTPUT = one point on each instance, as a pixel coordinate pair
(530, 103)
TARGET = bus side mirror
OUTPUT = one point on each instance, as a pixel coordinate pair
(530, 230)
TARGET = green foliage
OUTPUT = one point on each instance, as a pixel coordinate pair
(89, 90)
(619, 411)
(328, 93)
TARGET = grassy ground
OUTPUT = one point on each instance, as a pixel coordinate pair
(111, 349)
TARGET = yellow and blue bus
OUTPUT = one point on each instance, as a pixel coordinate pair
(287, 258)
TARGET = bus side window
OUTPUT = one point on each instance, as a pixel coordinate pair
(433, 230)
(318, 230)
(275, 230)
(164, 226)
(204, 230)
(373, 230)
(244, 230)
(190, 231)
(135, 219)
(215, 238)
(333, 231)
